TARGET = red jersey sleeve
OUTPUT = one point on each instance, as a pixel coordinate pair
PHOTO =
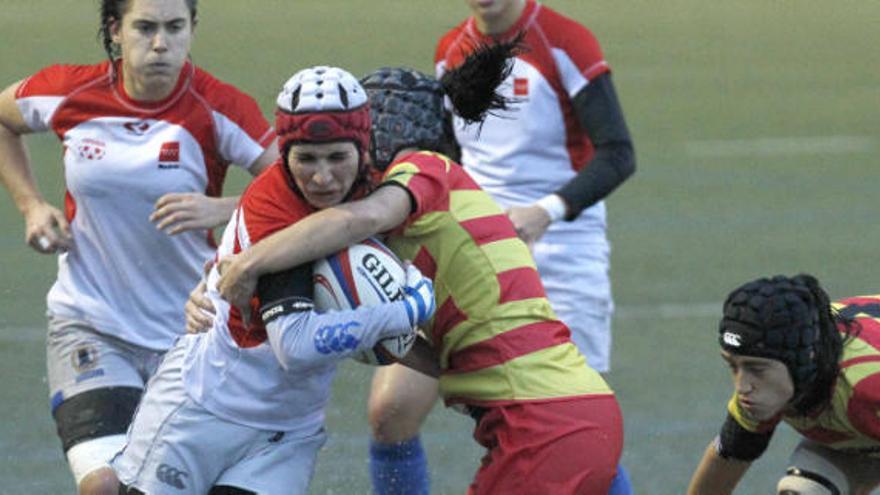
(60, 80)
(41, 94)
(578, 43)
(240, 121)
(269, 205)
(426, 177)
(446, 42)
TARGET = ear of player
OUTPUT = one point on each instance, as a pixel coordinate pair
(418, 296)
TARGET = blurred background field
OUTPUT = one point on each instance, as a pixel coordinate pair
(757, 128)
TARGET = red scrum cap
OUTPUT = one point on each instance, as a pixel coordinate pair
(323, 104)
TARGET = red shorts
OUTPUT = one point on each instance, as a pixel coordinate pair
(563, 447)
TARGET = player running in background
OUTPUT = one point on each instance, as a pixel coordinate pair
(147, 140)
(549, 423)
(240, 409)
(798, 358)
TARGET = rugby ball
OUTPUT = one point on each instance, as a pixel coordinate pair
(367, 273)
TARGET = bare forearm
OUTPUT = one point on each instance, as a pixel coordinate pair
(716, 475)
(313, 237)
(15, 171)
(327, 231)
(224, 207)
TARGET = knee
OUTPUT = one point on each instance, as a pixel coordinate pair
(392, 421)
(99, 482)
(799, 482)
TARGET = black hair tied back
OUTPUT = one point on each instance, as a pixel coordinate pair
(472, 86)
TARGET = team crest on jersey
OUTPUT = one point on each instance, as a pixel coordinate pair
(91, 149)
(138, 127)
(520, 86)
(169, 155)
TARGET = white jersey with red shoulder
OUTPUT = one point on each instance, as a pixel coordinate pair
(231, 369)
(123, 276)
(537, 146)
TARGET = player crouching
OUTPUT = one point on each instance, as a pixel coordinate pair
(798, 358)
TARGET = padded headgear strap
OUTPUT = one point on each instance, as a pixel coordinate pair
(407, 110)
(775, 318)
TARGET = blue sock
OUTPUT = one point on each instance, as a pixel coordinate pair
(620, 485)
(399, 468)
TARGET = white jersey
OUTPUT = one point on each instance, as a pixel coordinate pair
(537, 146)
(123, 276)
(272, 377)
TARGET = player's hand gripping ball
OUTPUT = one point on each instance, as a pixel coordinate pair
(368, 274)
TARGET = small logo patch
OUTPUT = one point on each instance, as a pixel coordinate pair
(138, 127)
(332, 339)
(169, 155)
(171, 476)
(732, 339)
(84, 358)
(169, 152)
(520, 86)
(91, 149)
(320, 129)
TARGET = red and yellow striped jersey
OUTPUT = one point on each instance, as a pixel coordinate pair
(850, 422)
(498, 339)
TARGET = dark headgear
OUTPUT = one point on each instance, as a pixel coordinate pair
(775, 318)
(407, 111)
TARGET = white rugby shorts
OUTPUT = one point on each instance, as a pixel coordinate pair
(575, 276)
(177, 446)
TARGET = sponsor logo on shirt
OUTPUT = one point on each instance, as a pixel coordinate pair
(169, 155)
(520, 86)
(138, 127)
(731, 339)
(91, 149)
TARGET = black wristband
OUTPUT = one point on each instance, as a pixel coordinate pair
(736, 442)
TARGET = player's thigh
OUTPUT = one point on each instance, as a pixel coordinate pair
(815, 469)
(276, 463)
(95, 384)
(174, 445)
(79, 359)
(400, 399)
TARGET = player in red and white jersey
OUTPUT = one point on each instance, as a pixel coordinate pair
(147, 139)
(799, 358)
(240, 409)
(553, 157)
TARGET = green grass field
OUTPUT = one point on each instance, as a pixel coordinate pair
(756, 126)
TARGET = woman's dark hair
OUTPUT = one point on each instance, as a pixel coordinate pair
(113, 10)
(471, 86)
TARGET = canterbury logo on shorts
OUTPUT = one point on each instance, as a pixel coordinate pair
(171, 476)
